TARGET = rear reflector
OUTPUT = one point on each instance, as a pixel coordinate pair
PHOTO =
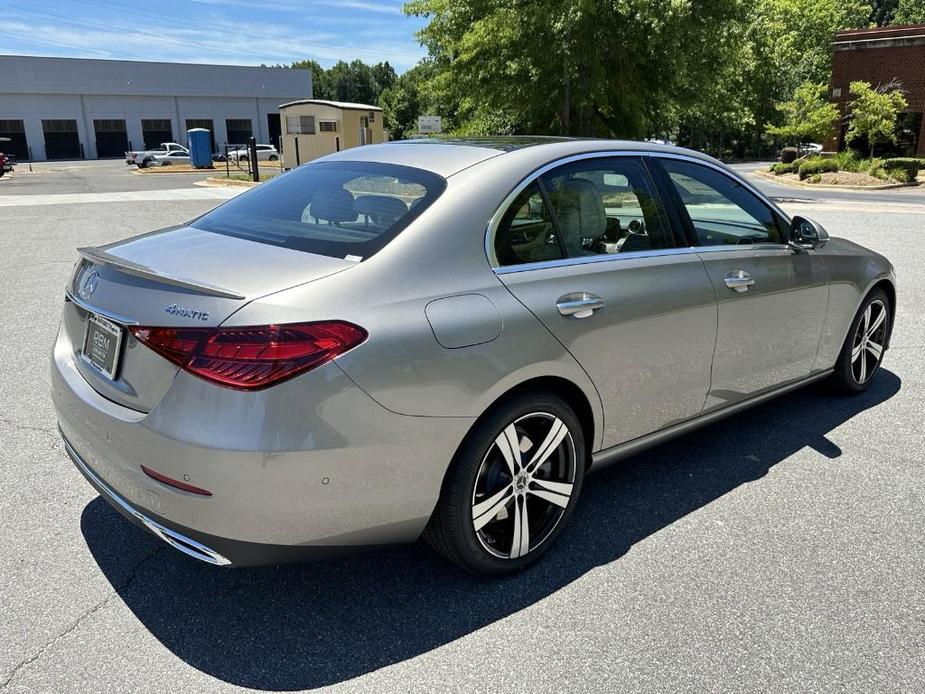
(251, 358)
(171, 482)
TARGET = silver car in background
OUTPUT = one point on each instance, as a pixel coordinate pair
(442, 338)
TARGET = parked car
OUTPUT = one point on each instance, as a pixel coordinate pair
(264, 153)
(175, 157)
(348, 355)
(10, 161)
(810, 148)
(3, 164)
(142, 158)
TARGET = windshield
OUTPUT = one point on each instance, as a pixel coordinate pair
(340, 209)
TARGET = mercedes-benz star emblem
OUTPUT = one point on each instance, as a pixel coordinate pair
(88, 286)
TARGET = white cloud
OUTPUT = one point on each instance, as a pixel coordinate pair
(216, 40)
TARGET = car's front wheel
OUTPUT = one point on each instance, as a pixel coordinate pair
(511, 487)
(862, 352)
(273, 157)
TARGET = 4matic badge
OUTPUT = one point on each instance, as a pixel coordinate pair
(183, 312)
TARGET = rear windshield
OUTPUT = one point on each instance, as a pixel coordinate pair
(339, 209)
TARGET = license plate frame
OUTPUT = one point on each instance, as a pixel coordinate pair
(103, 356)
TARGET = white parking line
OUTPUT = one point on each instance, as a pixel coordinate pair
(216, 193)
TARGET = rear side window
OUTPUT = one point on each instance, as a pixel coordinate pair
(337, 209)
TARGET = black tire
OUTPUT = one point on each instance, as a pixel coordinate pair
(848, 369)
(273, 157)
(451, 530)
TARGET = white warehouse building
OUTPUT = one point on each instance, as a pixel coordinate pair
(73, 108)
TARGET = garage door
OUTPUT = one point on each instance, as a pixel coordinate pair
(239, 130)
(16, 132)
(111, 138)
(155, 131)
(61, 139)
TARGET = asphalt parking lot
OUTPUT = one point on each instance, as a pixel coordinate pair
(779, 551)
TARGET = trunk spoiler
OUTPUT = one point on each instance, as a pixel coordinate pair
(95, 255)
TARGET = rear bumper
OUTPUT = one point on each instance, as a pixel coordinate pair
(175, 537)
(311, 467)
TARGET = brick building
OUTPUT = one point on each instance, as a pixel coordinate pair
(879, 56)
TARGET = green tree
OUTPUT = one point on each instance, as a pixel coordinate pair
(874, 113)
(407, 99)
(808, 116)
(319, 85)
(354, 81)
(575, 67)
(910, 12)
(883, 12)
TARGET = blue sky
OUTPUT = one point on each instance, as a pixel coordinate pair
(237, 32)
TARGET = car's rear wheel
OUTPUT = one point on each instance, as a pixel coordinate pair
(273, 157)
(862, 353)
(511, 487)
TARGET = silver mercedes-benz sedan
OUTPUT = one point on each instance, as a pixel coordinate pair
(442, 338)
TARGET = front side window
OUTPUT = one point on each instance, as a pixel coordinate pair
(722, 211)
(338, 209)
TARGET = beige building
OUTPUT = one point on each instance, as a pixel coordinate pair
(314, 127)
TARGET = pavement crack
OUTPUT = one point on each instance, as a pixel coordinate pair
(28, 427)
(80, 619)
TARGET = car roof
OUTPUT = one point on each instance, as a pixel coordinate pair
(447, 156)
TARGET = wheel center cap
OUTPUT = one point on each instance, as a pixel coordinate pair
(520, 482)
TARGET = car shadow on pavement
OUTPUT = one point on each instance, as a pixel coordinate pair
(301, 627)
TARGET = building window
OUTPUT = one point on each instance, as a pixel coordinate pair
(301, 125)
(372, 116)
(327, 126)
(162, 124)
(109, 125)
(12, 126)
(59, 126)
(364, 122)
(836, 93)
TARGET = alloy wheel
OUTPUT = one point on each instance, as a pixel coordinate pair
(867, 348)
(524, 485)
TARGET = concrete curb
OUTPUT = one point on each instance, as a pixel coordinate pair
(768, 176)
(215, 182)
(156, 170)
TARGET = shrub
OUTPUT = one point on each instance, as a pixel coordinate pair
(815, 178)
(781, 168)
(848, 160)
(789, 154)
(817, 165)
(903, 169)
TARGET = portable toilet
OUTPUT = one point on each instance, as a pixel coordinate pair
(200, 148)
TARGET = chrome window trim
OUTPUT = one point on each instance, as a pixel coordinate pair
(496, 218)
(654, 253)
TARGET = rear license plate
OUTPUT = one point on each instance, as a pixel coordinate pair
(102, 345)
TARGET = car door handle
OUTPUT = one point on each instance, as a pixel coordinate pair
(739, 280)
(579, 304)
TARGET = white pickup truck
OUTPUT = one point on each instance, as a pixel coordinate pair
(142, 158)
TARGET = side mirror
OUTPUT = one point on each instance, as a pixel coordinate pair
(807, 234)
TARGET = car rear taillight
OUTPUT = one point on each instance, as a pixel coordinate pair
(251, 358)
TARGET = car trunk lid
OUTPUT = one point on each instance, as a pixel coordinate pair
(181, 277)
